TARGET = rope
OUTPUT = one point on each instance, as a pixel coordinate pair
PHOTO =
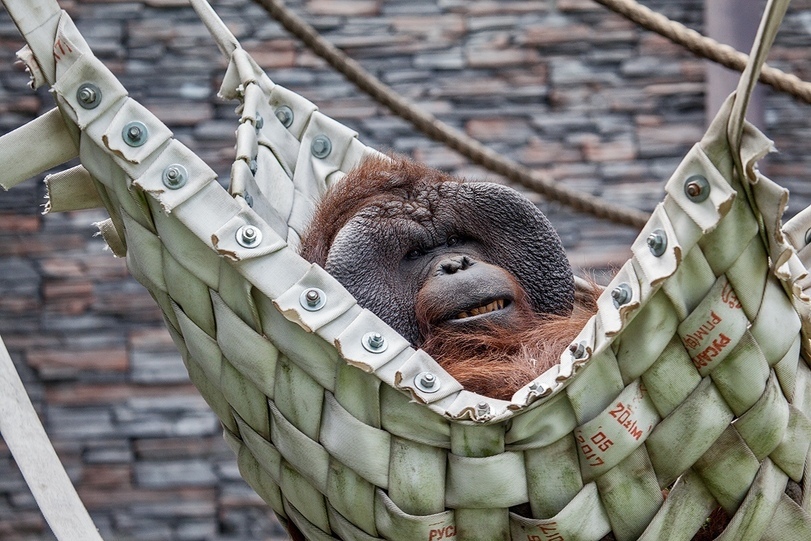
(706, 47)
(441, 132)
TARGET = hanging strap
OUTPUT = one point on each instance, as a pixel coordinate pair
(226, 41)
(37, 21)
(38, 462)
(769, 24)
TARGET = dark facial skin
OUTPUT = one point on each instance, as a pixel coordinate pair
(467, 293)
(422, 249)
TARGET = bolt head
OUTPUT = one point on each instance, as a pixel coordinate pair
(260, 122)
(88, 95)
(657, 242)
(577, 350)
(321, 146)
(621, 294)
(135, 133)
(482, 408)
(249, 236)
(427, 382)
(697, 188)
(374, 342)
(175, 176)
(313, 299)
(285, 115)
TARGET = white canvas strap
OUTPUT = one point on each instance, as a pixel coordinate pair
(769, 25)
(38, 462)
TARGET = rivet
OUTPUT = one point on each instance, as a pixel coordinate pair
(374, 342)
(537, 388)
(312, 299)
(175, 176)
(248, 199)
(88, 95)
(697, 188)
(657, 242)
(254, 166)
(249, 236)
(135, 133)
(621, 294)
(321, 146)
(427, 382)
(260, 122)
(482, 408)
(578, 350)
(285, 115)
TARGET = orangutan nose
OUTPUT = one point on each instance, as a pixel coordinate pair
(452, 264)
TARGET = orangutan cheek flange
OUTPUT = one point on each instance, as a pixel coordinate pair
(431, 254)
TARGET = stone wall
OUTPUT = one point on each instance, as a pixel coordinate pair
(562, 86)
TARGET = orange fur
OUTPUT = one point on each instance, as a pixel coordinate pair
(373, 181)
(497, 361)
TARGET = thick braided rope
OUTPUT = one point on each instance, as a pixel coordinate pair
(706, 47)
(439, 131)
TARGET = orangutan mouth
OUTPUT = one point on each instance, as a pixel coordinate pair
(497, 304)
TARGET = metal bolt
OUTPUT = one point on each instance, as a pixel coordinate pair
(88, 95)
(657, 242)
(621, 294)
(135, 133)
(374, 342)
(578, 350)
(175, 176)
(260, 122)
(697, 188)
(249, 236)
(321, 146)
(313, 299)
(248, 199)
(482, 408)
(285, 115)
(427, 382)
(536, 388)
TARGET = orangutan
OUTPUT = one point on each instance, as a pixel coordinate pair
(471, 272)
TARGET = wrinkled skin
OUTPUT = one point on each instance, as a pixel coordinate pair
(409, 241)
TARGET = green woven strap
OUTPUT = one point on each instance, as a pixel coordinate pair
(691, 382)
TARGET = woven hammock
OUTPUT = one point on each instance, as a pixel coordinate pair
(691, 379)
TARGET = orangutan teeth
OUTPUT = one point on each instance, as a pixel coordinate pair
(492, 307)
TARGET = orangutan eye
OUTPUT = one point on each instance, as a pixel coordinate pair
(453, 240)
(415, 253)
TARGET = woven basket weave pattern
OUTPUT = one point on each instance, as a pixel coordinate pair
(694, 382)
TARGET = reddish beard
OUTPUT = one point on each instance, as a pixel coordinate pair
(495, 360)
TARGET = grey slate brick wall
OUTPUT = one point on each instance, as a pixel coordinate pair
(562, 86)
